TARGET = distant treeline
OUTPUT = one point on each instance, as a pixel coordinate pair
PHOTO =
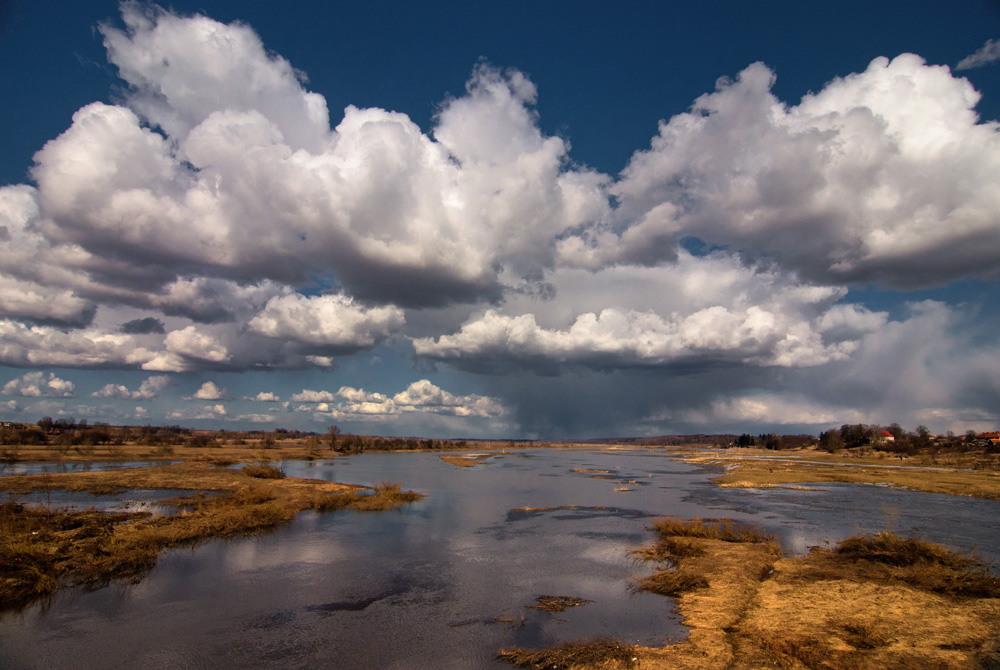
(893, 438)
(723, 440)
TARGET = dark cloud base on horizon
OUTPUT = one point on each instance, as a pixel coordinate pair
(217, 220)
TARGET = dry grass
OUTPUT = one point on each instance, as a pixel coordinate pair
(670, 583)
(384, 496)
(42, 551)
(557, 603)
(602, 654)
(464, 460)
(888, 558)
(750, 469)
(876, 601)
(725, 530)
(263, 471)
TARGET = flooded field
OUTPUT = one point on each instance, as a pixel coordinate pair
(447, 581)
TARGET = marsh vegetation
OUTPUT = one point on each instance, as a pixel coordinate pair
(872, 601)
(43, 550)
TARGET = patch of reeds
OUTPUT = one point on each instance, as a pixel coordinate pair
(671, 549)
(863, 633)
(262, 472)
(725, 530)
(892, 549)
(223, 462)
(813, 651)
(670, 583)
(38, 547)
(602, 653)
(557, 603)
(384, 496)
(43, 550)
(917, 563)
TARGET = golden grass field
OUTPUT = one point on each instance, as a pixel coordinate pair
(749, 468)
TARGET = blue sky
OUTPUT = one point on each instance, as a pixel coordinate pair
(524, 220)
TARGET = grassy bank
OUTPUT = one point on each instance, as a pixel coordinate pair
(760, 469)
(877, 601)
(42, 550)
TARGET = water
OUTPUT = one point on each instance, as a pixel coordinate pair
(444, 582)
(131, 500)
(59, 467)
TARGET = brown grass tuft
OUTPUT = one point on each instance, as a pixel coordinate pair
(557, 603)
(725, 530)
(670, 583)
(605, 654)
(384, 496)
(263, 472)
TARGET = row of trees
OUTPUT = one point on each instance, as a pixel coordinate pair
(775, 441)
(894, 438)
(353, 444)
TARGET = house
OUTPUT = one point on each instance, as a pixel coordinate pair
(993, 436)
(885, 437)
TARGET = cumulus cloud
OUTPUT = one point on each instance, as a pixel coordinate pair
(313, 396)
(148, 390)
(40, 304)
(250, 183)
(210, 391)
(707, 309)
(37, 384)
(203, 412)
(884, 176)
(264, 396)
(988, 53)
(332, 323)
(419, 397)
(255, 418)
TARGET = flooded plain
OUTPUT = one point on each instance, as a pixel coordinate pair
(447, 581)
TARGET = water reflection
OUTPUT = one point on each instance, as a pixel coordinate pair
(445, 582)
(60, 467)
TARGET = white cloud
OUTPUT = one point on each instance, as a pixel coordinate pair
(210, 391)
(148, 390)
(34, 302)
(255, 418)
(880, 176)
(113, 391)
(199, 413)
(313, 396)
(329, 322)
(421, 397)
(774, 409)
(988, 53)
(707, 309)
(37, 384)
(265, 396)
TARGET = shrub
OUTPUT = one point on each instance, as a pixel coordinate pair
(263, 472)
(603, 653)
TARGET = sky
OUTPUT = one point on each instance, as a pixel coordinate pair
(525, 220)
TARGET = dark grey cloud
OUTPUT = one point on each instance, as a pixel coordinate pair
(144, 326)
